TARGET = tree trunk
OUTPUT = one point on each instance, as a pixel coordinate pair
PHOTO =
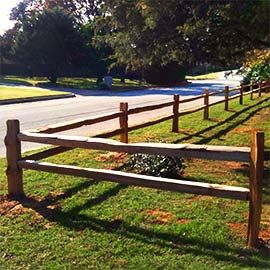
(53, 78)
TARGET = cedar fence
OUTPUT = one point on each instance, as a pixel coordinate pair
(124, 112)
(255, 155)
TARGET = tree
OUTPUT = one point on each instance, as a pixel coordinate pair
(257, 65)
(82, 10)
(48, 42)
(155, 33)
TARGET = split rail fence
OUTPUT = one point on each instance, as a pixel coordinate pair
(124, 112)
(255, 155)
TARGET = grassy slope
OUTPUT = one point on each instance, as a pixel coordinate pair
(83, 83)
(208, 76)
(71, 223)
(7, 92)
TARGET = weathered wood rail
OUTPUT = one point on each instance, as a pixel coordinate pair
(124, 112)
(254, 155)
(43, 135)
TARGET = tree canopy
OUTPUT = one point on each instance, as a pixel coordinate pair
(149, 36)
(48, 41)
(156, 32)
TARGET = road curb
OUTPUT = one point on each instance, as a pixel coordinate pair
(33, 99)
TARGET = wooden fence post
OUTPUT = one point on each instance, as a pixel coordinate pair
(206, 103)
(226, 94)
(251, 89)
(241, 94)
(255, 186)
(123, 121)
(13, 154)
(260, 89)
(175, 126)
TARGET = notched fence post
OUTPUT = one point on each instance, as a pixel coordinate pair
(241, 94)
(206, 103)
(251, 89)
(123, 120)
(260, 89)
(13, 154)
(255, 186)
(226, 95)
(175, 127)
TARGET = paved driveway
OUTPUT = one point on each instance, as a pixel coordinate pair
(90, 103)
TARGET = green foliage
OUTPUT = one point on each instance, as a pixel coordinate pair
(145, 33)
(48, 42)
(168, 74)
(260, 71)
(155, 165)
(82, 10)
(257, 64)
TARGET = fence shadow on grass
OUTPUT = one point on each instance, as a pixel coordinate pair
(224, 131)
(244, 170)
(75, 220)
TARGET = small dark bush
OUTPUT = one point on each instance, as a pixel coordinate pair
(155, 165)
(103, 86)
(172, 73)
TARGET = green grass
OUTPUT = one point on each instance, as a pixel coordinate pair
(79, 83)
(9, 92)
(208, 76)
(73, 223)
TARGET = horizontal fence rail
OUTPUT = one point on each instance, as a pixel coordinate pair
(210, 152)
(237, 193)
(72, 124)
(124, 112)
(254, 154)
(150, 107)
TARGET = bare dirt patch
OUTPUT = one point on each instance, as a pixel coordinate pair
(111, 156)
(182, 221)
(160, 216)
(239, 229)
(233, 165)
(245, 129)
(7, 205)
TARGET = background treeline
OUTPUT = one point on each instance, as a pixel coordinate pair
(157, 40)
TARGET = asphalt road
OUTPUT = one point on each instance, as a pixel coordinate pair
(90, 103)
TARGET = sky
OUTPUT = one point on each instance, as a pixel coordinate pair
(5, 8)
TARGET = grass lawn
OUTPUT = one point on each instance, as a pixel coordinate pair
(83, 83)
(8, 92)
(73, 223)
(208, 76)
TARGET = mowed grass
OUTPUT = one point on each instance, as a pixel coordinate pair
(73, 223)
(208, 76)
(78, 83)
(9, 92)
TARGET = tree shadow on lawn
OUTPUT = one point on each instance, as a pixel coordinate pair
(204, 140)
(182, 244)
(75, 220)
(14, 82)
(224, 131)
(189, 90)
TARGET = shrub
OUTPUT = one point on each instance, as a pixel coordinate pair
(155, 165)
(172, 73)
(257, 64)
(103, 86)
